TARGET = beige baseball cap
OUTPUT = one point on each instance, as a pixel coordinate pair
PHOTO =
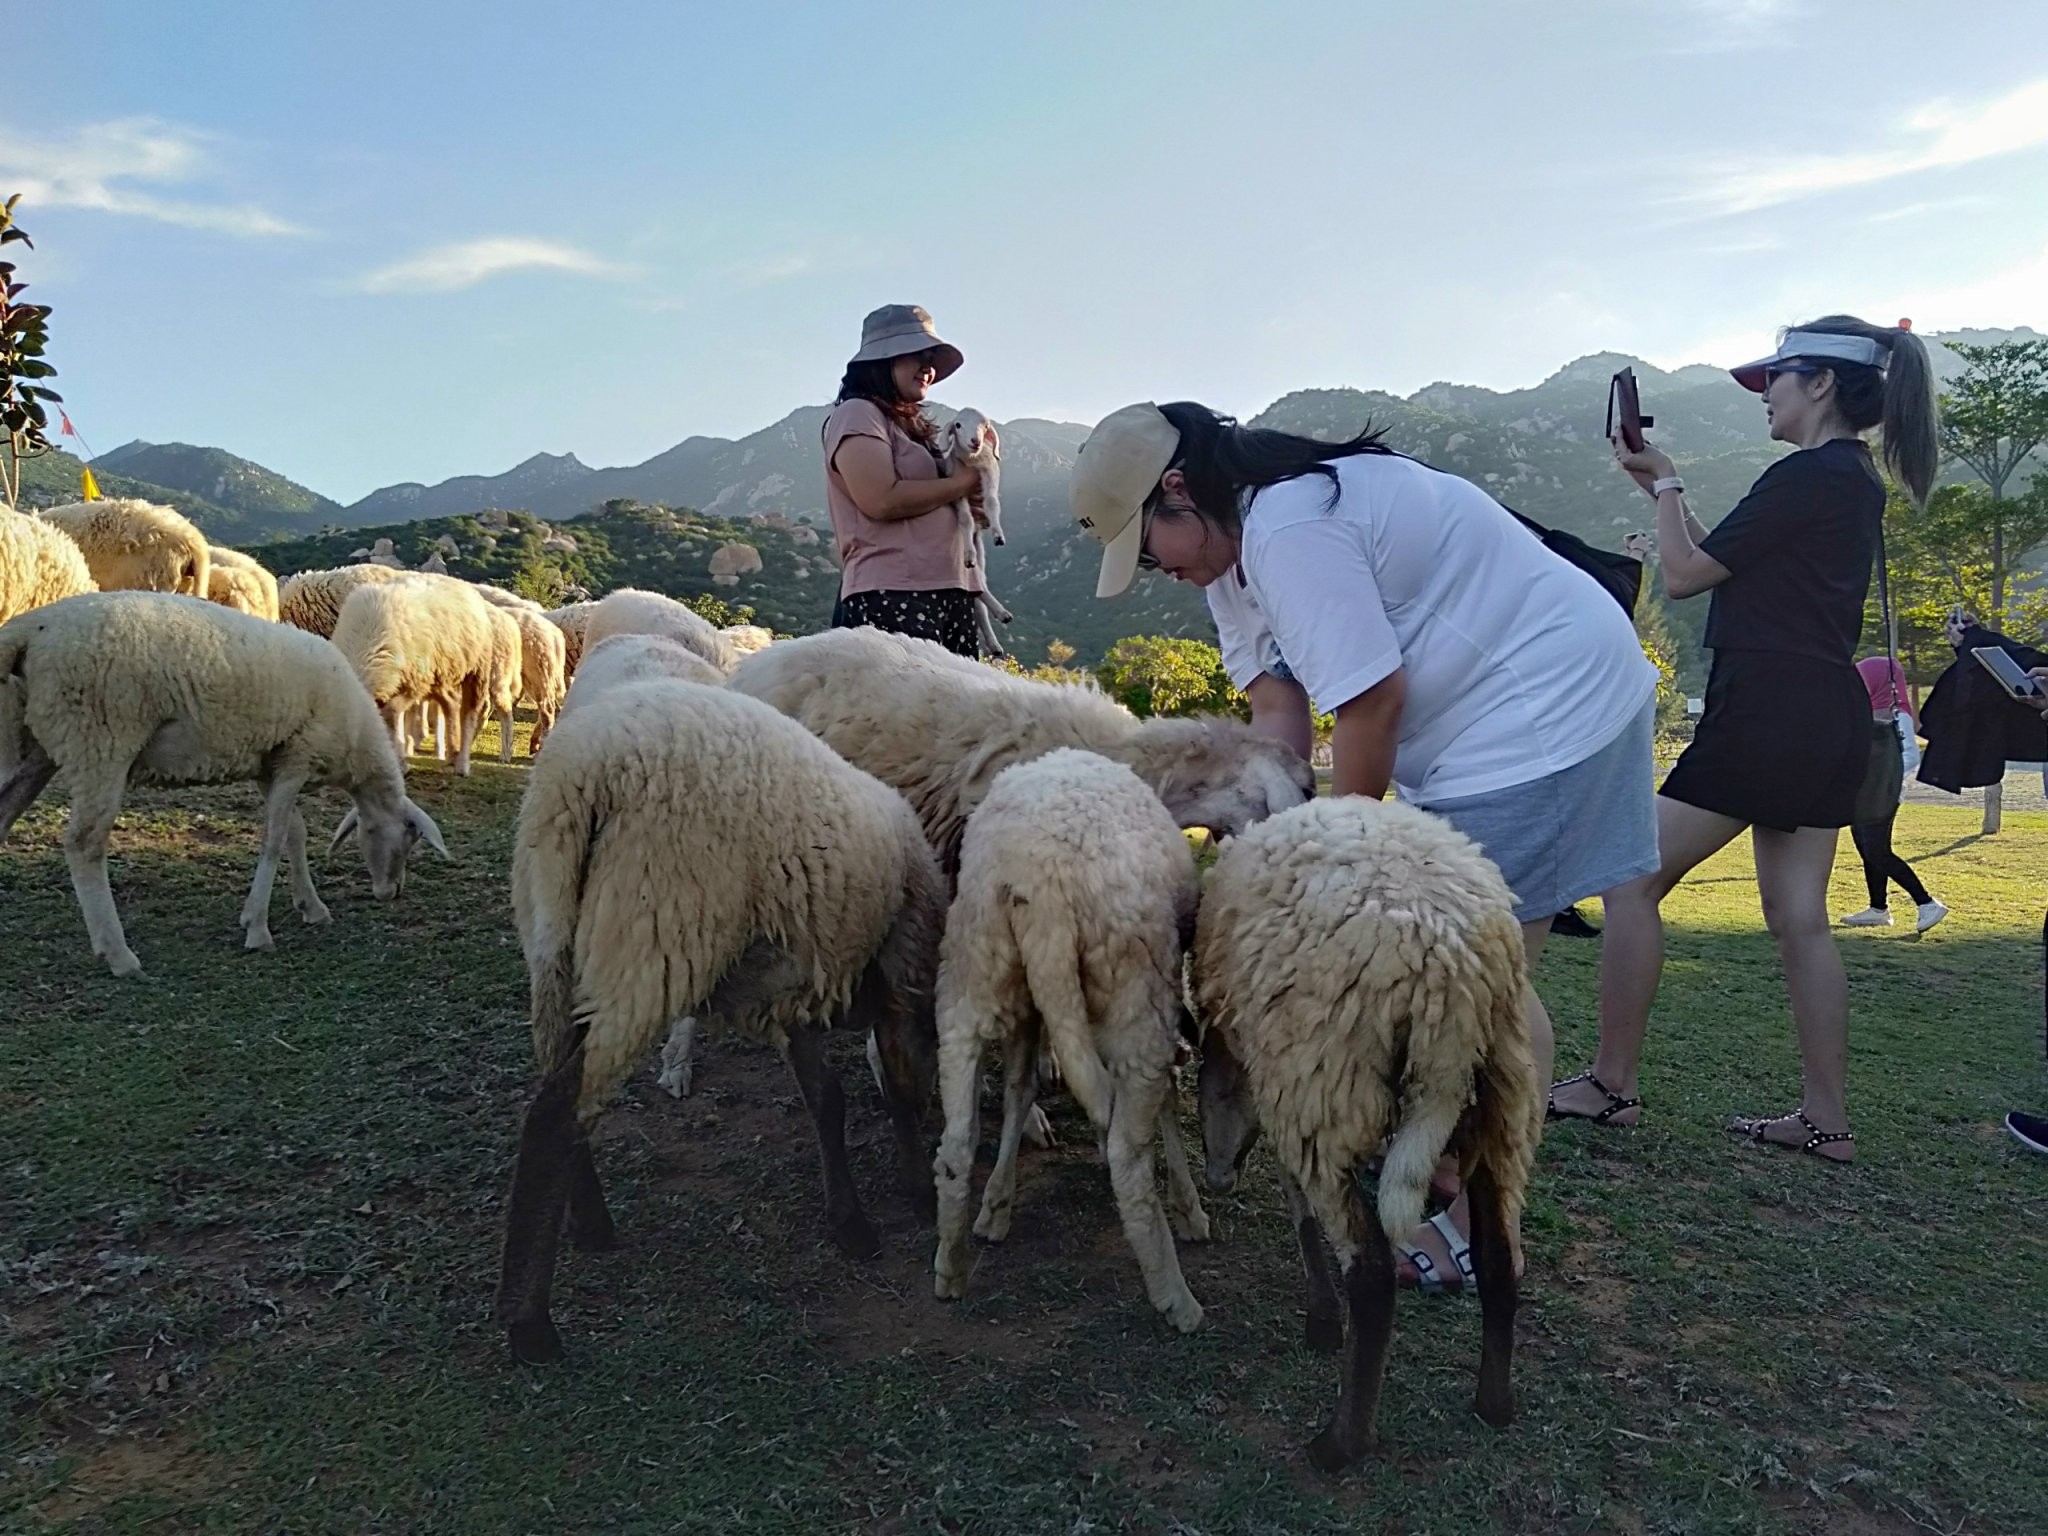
(1118, 470)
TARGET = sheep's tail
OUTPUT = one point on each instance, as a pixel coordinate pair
(1050, 947)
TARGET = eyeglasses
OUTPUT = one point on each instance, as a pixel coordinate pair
(1771, 374)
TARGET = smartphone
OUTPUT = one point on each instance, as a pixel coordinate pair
(2012, 677)
(1625, 410)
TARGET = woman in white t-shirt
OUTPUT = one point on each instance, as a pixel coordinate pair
(1490, 681)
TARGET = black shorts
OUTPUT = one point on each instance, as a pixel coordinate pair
(1784, 742)
(945, 615)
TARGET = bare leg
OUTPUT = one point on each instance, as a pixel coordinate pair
(304, 897)
(95, 800)
(280, 799)
(845, 1222)
(541, 1181)
(1792, 871)
(1493, 1259)
(1325, 1334)
(1368, 1266)
(1133, 1123)
(1020, 1091)
(953, 1168)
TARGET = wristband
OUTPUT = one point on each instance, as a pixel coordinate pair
(1668, 483)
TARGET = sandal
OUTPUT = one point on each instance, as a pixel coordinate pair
(1616, 1104)
(1754, 1126)
(1429, 1280)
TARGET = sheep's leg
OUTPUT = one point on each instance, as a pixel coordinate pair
(1133, 1122)
(1368, 1264)
(305, 899)
(434, 718)
(905, 1057)
(1494, 1259)
(1020, 1092)
(590, 1220)
(95, 801)
(1183, 1203)
(985, 630)
(22, 784)
(504, 735)
(473, 708)
(678, 1058)
(848, 1225)
(1325, 1334)
(280, 801)
(547, 1170)
(953, 1168)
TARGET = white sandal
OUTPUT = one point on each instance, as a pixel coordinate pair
(1428, 1280)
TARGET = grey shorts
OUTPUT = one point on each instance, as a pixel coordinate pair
(1574, 834)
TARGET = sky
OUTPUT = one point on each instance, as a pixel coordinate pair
(382, 242)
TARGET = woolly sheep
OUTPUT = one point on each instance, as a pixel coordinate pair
(572, 619)
(1076, 888)
(237, 581)
(311, 600)
(39, 564)
(506, 680)
(683, 850)
(941, 727)
(542, 669)
(630, 611)
(423, 640)
(970, 440)
(1361, 973)
(151, 687)
(745, 639)
(135, 545)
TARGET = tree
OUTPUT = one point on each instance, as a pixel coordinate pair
(1158, 675)
(1994, 415)
(1948, 556)
(1653, 630)
(1059, 654)
(24, 332)
(542, 581)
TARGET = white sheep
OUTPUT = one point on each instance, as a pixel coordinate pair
(424, 640)
(630, 611)
(745, 639)
(1361, 974)
(572, 619)
(311, 600)
(683, 850)
(543, 668)
(940, 727)
(135, 545)
(970, 440)
(1076, 888)
(506, 680)
(39, 564)
(121, 687)
(237, 581)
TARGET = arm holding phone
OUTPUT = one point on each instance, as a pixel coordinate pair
(1688, 570)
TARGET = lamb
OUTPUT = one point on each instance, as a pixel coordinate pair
(629, 611)
(940, 727)
(1076, 889)
(1361, 973)
(237, 581)
(426, 640)
(311, 600)
(135, 545)
(119, 686)
(684, 850)
(542, 669)
(39, 564)
(572, 619)
(970, 439)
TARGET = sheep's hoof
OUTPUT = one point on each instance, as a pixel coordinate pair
(1190, 1226)
(259, 938)
(1328, 1453)
(315, 912)
(1497, 1411)
(1038, 1130)
(855, 1237)
(1185, 1313)
(1325, 1333)
(534, 1342)
(675, 1079)
(949, 1287)
(993, 1225)
(123, 963)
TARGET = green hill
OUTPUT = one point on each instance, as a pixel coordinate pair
(262, 496)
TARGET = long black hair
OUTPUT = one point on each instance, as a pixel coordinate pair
(1898, 398)
(874, 381)
(1226, 465)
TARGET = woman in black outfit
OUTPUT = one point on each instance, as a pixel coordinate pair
(1785, 739)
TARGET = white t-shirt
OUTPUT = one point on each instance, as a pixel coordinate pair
(1518, 664)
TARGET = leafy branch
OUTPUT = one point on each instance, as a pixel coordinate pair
(24, 333)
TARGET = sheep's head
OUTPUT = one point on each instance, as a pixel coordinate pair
(1219, 774)
(1230, 1120)
(390, 836)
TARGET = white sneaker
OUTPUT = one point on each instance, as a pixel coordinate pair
(1930, 913)
(1869, 917)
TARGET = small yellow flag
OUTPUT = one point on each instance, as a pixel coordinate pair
(92, 486)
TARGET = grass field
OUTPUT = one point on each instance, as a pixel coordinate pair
(249, 1213)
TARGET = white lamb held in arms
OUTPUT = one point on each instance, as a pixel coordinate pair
(1075, 891)
(1360, 971)
(970, 440)
(683, 850)
(940, 727)
(149, 687)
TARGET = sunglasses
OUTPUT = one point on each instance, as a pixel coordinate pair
(1771, 375)
(1146, 560)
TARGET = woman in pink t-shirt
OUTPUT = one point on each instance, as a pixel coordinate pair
(905, 557)
(1886, 684)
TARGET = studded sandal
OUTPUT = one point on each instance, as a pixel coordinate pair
(1754, 1126)
(1616, 1104)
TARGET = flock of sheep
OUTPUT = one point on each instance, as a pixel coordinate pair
(847, 830)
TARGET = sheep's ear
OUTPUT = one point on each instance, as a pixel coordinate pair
(347, 829)
(421, 825)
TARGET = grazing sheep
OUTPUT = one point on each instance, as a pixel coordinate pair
(941, 727)
(38, 564)
(629, 611)
(745, 639)
(1361, 974)
(1075, 891)
(312, 600)
(683, 850)
(506, 679)
(571, 619)
(121, 687)
(543, 670)
(970, 440)
(237, 581)
(135, 545)
(423, 640)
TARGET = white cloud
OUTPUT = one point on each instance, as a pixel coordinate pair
(2017, 296)
(1724, 26)
(465, 263)
(1937, 136)
(96, 167)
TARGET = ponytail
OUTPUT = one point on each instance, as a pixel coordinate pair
(1899, 399)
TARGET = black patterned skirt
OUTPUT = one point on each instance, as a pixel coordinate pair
(945, 615)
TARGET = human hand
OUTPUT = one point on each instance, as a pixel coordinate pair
(1646, 465)
(1639, 545)
(2040, 698)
